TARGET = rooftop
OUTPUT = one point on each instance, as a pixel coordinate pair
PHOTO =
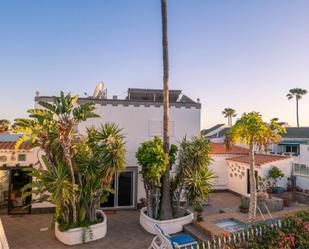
(139, 96)
(297, 132)
(206, 131)
(260, 159)
(219, 148)
(8, 141)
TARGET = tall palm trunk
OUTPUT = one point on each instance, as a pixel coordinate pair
(166, 206)
(297, 117)
(66, 146)
(253, 197)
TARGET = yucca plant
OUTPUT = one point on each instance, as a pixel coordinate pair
(193, 178)
(78, 169)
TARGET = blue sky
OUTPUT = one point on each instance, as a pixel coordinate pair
(229, 53)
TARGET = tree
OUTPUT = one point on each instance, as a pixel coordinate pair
(275, 174)
(192, 176)
(4, 125)
(229, 113)
(252, 131)
(166, 206)
(79, 169)
(153, 159)
(56, 121)
(297, 93)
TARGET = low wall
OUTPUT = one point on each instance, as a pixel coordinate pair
(299, 197)
(274, 204)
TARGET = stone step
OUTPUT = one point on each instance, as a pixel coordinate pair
(196, 232)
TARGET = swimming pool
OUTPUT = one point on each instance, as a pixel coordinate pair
(231, 225)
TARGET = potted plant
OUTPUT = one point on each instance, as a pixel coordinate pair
(244, 208)
(287, 200)
(76, 172)
(190, 184)
(199, 212)
(274, 175)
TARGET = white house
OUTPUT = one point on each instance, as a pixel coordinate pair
(238, 170)
(295, 143)
(140, 115)
(231, 167)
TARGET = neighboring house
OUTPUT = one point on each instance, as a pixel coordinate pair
(231, 167)
(295, 143)
(216, 133)
(140, 115)
(12, 176)
(219, 166)
(238, 170)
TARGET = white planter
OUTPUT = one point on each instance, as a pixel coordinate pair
(168, 226)
(75, 236)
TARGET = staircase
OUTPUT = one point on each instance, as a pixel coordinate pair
(196, 232)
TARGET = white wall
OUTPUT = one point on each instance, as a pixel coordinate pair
(239, 185)
(219, 167)
(238, 182)
(285, 166)
(304, 154)
(302, 181)
(12, 157)
(140, 123)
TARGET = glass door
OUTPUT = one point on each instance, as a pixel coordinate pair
(4, 191)
(18, 179)
(124, 190)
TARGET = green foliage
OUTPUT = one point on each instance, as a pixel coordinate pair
(252, 129)
(296, 92)
(151, 156)
(198, 208)
(78, 170)
(294, 233)
(4, 125)
(275, 174)
(192, 178)
(154, 161)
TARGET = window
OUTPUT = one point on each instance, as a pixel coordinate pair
(291, 148)
(155, 128)
(21, 157)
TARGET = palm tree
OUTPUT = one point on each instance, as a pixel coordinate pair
(297, 93)
(166, 206)
(229, 113)
(58, 119)
(4, 125)
(254, 132)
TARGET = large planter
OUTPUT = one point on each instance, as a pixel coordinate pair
(168, 226)
(81, 235)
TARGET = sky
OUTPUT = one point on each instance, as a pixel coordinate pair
(229, 53)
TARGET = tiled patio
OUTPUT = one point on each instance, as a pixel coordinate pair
(221, 200)
(124, 232)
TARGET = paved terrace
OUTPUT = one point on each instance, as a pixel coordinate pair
(123, 232)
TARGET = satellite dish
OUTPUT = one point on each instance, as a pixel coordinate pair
(98, 91)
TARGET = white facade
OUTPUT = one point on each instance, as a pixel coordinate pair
(238, 174)
(141, 123)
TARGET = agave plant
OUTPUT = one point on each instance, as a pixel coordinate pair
(78, 170)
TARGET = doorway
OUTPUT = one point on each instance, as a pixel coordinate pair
(18, 205)
(248, 180)
(124, 186)
(12, 180)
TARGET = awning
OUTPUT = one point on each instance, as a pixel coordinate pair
(293, 142)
